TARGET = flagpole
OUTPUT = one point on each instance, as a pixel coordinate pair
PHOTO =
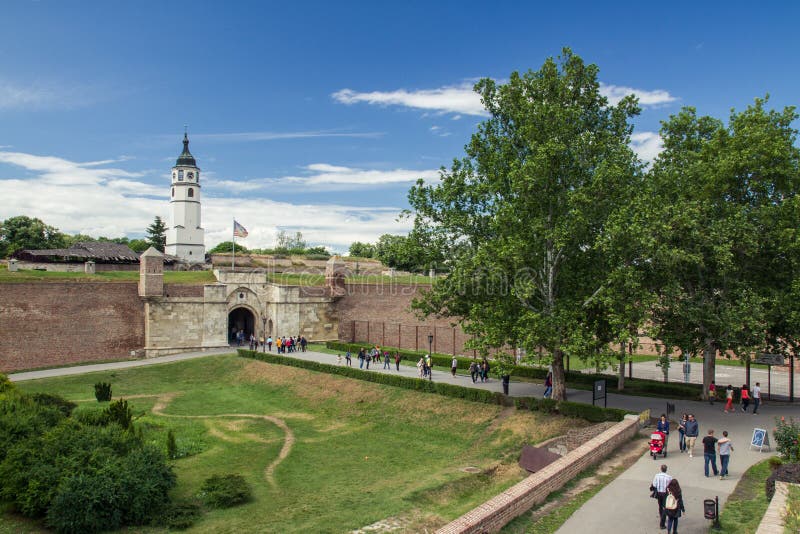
(233, 247)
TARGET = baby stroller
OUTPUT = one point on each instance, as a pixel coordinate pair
(658, 444)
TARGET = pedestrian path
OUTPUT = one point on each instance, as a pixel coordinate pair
(624, 504)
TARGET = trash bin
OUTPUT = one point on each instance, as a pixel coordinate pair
(506, 379)
(710, 508)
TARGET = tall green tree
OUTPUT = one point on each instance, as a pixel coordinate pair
(157, 234)
(22, 232)
(718, 191)
(362, 250)
(524, 212)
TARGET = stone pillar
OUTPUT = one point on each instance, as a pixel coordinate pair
(88, 267)
(335, 274)
(215, 315)
(13, 266)
(151, 273)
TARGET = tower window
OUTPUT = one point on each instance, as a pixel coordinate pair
(173, 191)
(180, 176)
(191, 192)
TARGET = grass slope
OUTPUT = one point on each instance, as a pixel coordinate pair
(361, 452)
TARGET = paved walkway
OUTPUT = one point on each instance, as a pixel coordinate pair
(624, 505)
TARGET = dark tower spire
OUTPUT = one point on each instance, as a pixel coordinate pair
(186, 157)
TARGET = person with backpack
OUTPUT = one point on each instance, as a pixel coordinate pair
(673, 505)
(658, 490)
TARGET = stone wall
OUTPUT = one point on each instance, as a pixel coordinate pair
(173, 324)
(382, 314)
(492, 515)
(47, 324)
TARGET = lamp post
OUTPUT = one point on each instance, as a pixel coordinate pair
(264, 331)
(430, 353)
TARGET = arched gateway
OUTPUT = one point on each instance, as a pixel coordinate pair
(240, 319)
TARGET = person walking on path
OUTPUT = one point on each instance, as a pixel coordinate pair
(725, 449)
(673, 505)
(729, 398)
(659, 486)
(386, 364)
(454, 366)
(397, 359)
(682, 433)
(663, 426)
(710, 453)
(756, 397)
(473, 371)
(745, 397)
(428, 366)
(712, 392)
(347, 358)
(361, 358)
(269, 343)
(548, 385)
(421, 367)
(692, 431)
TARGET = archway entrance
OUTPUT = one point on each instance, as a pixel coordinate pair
(240, 320)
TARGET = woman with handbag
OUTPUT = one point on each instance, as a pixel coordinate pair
(673, 506)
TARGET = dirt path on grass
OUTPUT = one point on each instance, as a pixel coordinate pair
(163, 400)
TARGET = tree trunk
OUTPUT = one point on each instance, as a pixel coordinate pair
(621, 379)
(709, 365)
(559, 378)
(747, 371)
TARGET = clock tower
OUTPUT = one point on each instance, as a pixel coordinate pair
(185, 237)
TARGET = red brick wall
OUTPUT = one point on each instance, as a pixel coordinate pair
(381, 314)
(48, 324)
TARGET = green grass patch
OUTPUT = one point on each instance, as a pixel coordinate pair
(170, 277)
(747, 504)
(791, 519)
(354, 443)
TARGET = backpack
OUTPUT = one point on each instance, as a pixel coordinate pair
(671, 503)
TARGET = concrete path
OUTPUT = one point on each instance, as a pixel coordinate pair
(622, 506)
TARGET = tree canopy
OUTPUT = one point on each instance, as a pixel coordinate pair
(524, 211)
(157, 234)
(22, 232)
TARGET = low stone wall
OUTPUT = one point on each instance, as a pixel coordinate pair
(773, 518)
(492, 515)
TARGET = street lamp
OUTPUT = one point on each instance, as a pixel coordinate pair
(264, 331)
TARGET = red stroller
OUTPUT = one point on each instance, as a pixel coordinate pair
(658, 444)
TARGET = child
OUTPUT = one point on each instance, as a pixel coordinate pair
(729, 398)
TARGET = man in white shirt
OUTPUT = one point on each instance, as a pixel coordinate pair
(659, 485)
(756, 397)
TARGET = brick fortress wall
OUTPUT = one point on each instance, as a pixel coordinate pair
(45, 324)
(381, 314)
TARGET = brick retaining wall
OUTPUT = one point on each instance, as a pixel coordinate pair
(772, 521)
(492, 515)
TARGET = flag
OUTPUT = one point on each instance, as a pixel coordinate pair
(238, 229)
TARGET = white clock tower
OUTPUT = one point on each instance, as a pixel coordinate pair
(185, 237)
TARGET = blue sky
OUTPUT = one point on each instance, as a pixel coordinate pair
(318, 116)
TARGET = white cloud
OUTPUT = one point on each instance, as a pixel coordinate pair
(49, 95)
(615, 93)
(105, 201)
(459, 99)
(647, 145)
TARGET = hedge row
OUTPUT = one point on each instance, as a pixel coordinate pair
(593, 414)
(638, 386)
(569, 409)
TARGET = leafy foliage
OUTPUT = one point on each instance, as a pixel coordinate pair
(120, 413)
(362, 250)
(227, 246)
(224, 491)
(787, 439)
(102, 391)
(22, 232)
(157, 234)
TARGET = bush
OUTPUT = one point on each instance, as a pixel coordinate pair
(172, 446)
(102, 391)
(179, 516)
(224, 491)
(787, 439)
(60, 403)
(91, 417)
(593, 414)
(784, 473)
(119, 412)
(5, 384)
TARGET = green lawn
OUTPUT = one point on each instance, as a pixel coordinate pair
(170, 277)
(747, 504)
(361, 452)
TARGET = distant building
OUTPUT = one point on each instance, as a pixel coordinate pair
(105, 255)
(185, 236)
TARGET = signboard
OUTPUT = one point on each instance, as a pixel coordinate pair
(770, 359)
(760, 439)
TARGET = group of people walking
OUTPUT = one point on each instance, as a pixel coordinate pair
(665, 488)
(373, 355)
(479, 370)
(745, 396)
(282, 344)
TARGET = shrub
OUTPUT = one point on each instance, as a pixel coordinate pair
(787, 439)
(179, 516)
(224, 491)
(119, 412)
(60, 403)
(172, 446)
(5, 384)
(91, 417)
(784, 473)
(102, 391)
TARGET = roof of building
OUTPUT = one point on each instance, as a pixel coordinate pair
(97, 251)
(186, 157)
